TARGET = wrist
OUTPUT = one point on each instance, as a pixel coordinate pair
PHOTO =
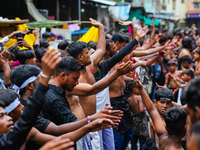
(92, 117)
(44, 75)
(137, 38)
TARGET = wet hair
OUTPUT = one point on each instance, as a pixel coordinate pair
(13, 52)
(141, 41)
(63, 45)
(131, 85)
(40, 53)
(7, 96)
(179, 34)
(23, 55)
(46, 35)
(175, 119)
(68, 65)
(44, 43)
(198, 51)
(171, 62)
(164, 94)
(191, 93)
(21, 73)
(186, 58)
(108, 44)
(127, 38)
(118, 37)
(93, 45)
(163, 39)
(187, 42)
(76, 48)
(188, 72)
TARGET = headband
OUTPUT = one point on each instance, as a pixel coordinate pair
(29, 80)
(164, 98)
(12, 105)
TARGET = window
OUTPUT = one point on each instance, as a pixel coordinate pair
(174, 4)
(196, 5)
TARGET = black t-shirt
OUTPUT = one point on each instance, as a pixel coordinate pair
(40, 124)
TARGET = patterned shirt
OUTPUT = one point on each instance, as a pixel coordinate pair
(56, 107)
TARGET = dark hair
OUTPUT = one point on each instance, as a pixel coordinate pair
(68, 64)
(46, 35)
(131, 85)
(196, 130)
(44, 43)
(187, 42)
(108, 44)
(21, 73)
(118, 37)
(175, 119)
(179, 34)
(7, 96)
(171, 62)
(40, 53)
(163, 39)
(127, 38)
(191, 93)
(23, 55)
(93, 45)
(164, 94)
(198, 51)
(76, 48)
(141, 41)
(13, 51)
(63, 45)
(186, 58)
(188, 72)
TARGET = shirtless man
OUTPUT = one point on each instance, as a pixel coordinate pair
(169, 136)
(187, 45)
(197, 62)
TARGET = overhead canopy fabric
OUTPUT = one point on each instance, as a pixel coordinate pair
(107, 2)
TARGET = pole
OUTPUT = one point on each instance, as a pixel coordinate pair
(57, 10)
(79, 12)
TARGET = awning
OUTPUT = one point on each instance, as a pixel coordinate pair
(168, 16)
(107, 2)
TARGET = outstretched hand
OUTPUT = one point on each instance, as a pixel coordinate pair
(100, 124)
(137, 80)
(125, 23)
(143, 32)
(5, 53)
(95, 23)
(59, 143)
(124, 68)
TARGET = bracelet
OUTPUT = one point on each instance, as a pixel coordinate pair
(163, 69)
(88, 119)
(174, 79)
(44, 76)
(139, 62)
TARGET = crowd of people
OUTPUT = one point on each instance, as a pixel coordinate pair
(140, 88)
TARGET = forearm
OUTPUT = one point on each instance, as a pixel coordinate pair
(76, 135)
(37, 40)
(6, 77)
(149, 62)
(4, 40)
(133, 32)
(152, 34)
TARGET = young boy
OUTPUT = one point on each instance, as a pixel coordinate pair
(140, 119)
(186, 62)
(173, 73)
(197, 62)
(175, 118)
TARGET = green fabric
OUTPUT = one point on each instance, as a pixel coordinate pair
(147, 21)
(45, 23)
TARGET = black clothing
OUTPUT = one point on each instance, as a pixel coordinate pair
(106, 65)
(17, 136)
(120, 103)
(56, 107)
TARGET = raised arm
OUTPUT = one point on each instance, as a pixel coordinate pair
(97, 56)
(152, 31)
(149, 62)
(157, 121)
(83, 89)
(129, 23)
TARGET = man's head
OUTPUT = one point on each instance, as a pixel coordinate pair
(187, 42)
(63, 45)
(60, 37)
(175, 119)
(120, 40)
(163, 40)
(191, 95)
(12, 104)
(163, 100)
(22, 73)
(186, 61)
(110, 48)
(79, 51)
(187, 75)
(26, 57)
(193, 143)
(68, 72)
(46, 36)
(171, 66)
(39, 54)
(44, 44)
(197, 55)
(133, 88)
(53, 37)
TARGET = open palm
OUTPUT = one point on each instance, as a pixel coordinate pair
(143, 32)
